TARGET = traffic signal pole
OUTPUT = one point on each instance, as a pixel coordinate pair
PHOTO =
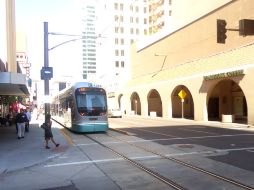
(46, 64)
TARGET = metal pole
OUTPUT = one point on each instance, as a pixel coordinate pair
(182, 100)
(46, 64)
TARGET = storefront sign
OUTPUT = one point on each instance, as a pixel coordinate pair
(111, 95)
(225, 75)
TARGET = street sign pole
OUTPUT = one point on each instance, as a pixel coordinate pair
(182, 100)
(182, 94)
(46, 64)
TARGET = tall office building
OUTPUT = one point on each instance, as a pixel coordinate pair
(160, 14)
(119, 24)
(89, 39)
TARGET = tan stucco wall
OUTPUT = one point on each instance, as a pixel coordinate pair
(195, 40)
(11, 35)
(195, 45)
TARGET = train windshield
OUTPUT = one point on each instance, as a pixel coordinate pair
(91, 102)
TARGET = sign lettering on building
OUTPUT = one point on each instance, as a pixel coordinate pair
(225, 75)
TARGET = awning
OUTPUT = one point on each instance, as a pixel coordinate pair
(13, 84)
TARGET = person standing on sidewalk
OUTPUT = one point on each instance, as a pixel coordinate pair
(48, 132)
(21, 119)
(28, 115)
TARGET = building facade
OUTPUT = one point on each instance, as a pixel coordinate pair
(120, 23)
(187, 74)
(89, 39)
(12, 81)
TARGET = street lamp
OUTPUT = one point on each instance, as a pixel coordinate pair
(47, 72)
(46, 64)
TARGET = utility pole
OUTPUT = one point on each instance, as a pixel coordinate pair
(46, 71)
(46, 64)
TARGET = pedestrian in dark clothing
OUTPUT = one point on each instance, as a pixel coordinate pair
(48, 132)
(21, 119)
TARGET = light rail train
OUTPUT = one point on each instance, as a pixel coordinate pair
(82, 108)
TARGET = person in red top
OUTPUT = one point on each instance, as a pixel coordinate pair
(48, 132)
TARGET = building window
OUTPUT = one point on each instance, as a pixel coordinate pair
(131, 19)
(132, 30)
(137, 31)
(116, 18)
(170, 2)
(122, 30)
(121, 18)
(131, 7)
(170, 13)
(122, 63)
(116, 52)
(122, 41)
(145, 21)
(117, 63)
(116, 29)
(136, 9)
(116, 6)
(145, 10)
(121, 6)
(116, 40)
(122, 52)
(137, 20)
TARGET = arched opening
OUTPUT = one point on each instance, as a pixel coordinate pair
(154, 103)
(227, 99)
(135, 104)
(182, 107)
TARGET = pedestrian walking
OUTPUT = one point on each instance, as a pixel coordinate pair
(21, 119)
(48, 132)
(28, 115)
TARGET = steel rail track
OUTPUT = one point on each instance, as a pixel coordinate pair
(142, 167)
(162, 178)
(217, 176)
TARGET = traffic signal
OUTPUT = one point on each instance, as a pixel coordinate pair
(246, 27)
(221, 31)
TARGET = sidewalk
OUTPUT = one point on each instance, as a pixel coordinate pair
(220, 124)
(16, 154)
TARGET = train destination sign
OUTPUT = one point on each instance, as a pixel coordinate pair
(225, 75)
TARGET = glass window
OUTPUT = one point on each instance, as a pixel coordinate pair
(91, 102)
(116, 40)
(122, 41)
(115, 6)
(121, 6)
(117, 63)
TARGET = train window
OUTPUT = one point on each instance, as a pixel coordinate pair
(91, 102)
